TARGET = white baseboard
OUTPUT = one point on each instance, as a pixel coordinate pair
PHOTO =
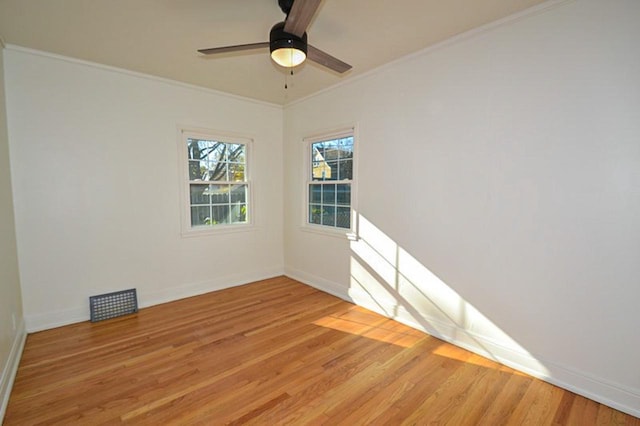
(319, 283)
(219, 283)
(53, 319)
(48, 320)
(10, 369)
(601, 390)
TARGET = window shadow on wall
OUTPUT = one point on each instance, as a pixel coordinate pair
(386, 278)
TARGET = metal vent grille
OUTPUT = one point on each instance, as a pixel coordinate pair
(111, 305)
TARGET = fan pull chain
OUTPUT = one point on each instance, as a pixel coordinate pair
(286, 86)
(285, 79)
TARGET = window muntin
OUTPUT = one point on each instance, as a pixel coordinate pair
(217, 179)
(330, 181)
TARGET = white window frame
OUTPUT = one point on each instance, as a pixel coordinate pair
(307, 180)
(185, 133)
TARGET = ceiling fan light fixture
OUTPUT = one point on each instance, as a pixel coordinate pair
(287, 57)
(287, 50)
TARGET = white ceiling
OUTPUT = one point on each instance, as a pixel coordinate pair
(160, 37)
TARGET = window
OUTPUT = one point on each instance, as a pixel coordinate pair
(330, 181)
(218, 186)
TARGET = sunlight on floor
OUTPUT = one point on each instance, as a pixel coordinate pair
(358, 321)
(458, 354)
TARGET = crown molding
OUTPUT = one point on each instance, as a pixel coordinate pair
(475, 32)
(137, 74)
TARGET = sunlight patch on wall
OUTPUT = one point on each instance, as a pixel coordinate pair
(389, 280)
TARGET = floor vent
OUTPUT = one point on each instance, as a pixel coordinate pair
(111, 305)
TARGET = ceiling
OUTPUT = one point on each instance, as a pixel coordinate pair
(160, 37)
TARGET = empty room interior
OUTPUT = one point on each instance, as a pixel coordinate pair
(324, 212)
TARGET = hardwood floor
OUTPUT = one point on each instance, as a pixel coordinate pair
(274, 352)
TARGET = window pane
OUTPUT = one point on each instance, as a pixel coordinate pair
(237, 153)
(199, 194)
(330, 170)
(215, 171)
(236, 172)
(343, 217)
(328, 149)
(343, 195)
(219, 215)
(194, 170)
(328, 194)
(194, 148)
(345, 146)
(315, 193)
(329, 216)
(331, 154)
(315, 214)
(214, 151)
(199, 149)
(238, 193)
(318, 147)
(200, 215)
(219, 194)
(238, 213)
(332, 159)
(345, 169)
(192, 151)
(321, 169)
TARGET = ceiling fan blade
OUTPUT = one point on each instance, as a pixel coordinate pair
(300, 16)
(236, 48)
(322, 58)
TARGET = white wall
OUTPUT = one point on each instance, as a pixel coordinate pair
(12, 331)
(95, 169)
(499, 183)
(499, 189)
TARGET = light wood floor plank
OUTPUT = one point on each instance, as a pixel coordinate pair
(269, 353)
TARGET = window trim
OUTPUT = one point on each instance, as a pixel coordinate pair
(337, 133)
(186, 230)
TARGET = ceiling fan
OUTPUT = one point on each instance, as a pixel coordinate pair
(288, 39)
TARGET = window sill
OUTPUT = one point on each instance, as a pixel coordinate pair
(216, 230)
(346, 234)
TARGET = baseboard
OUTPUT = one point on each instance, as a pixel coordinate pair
(601, 390)
(219, 283)
(10, 369)
(48, 320)
(319, 283)
(53, 319)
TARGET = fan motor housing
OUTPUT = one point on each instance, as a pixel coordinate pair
(279, 39)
